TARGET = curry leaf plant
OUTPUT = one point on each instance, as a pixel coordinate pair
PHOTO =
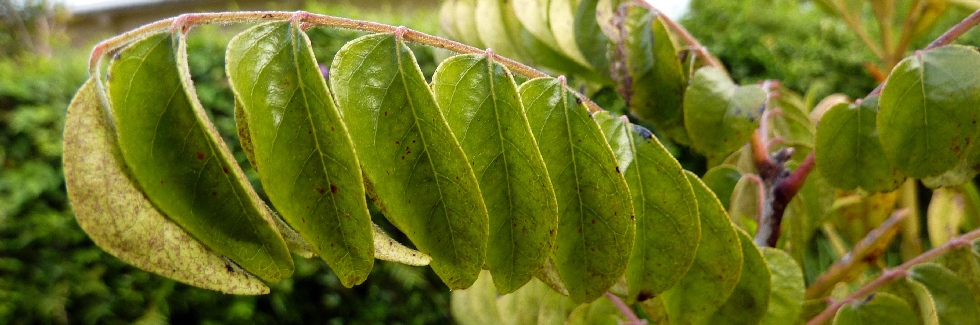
(530, 201)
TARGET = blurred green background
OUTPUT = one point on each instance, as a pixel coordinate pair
(51, 273)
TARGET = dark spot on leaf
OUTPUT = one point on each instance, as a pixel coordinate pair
(593, 221)
(633, 218)
(320, 190)
(403, 157)
(617, 169)
(644, 295)
(396, 142)
(200, 155)
(304, 218)
(224, 169)
(161, 181)
(229, 268)
(333, 189)
(457, 177)
(580, 230)
(386, 113)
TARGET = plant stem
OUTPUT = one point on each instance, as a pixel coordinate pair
(626, 310)
(185, 21)
(867, 249)
(888, 276)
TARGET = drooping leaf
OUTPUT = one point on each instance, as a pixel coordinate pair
(651, 77)
(115, 213)
(498, 27)
(792, 122)
(667, 225)
(953, 301)
(944, 215)
(721, 180)
(522, 306)
(595, 216)
(749, 302)
(786, 299)
(589, 37)
(465, 20)
(476, 305)
(484, 110)
(717, 264)
(879, 308)
(563, 21)
(719, 115)
(929, 110)
(179, 161)
(599, 312)
(848, 152)
(301, 148)
(533, 15)
(417, 172)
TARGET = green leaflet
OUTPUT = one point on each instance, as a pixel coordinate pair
(476, 305)
(929, 111)
(300, 147)
(952, 298)
(879, 308)
(523, 306)
(653, 81)
(749, 301)
(447, 17)
(533, 15)
(498, 27)
(417, 172)
(721, 180)
(599, 312)
(118, 217)
(667, 225)
(965, 263)
(786, 299)
(179, 161)
(481, 104)
(717, 264)
(465, 20)
(591, 42)
(849, 153)
(944, 215)
(595, 215)
(719, 115)
(793, 123)
(562, 19)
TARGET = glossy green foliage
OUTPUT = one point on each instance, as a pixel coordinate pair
(786, 283)
(596, 224)
(717, 264)
(749, 301)
(719, 115)
(880, 308)
(721, 180)
(667, 225)
(954, 304)
(929, 111)
(650, 76)
(300, 147)
(849, 153)
(417, 172)
(179, 162)
(120, 219)
(481, 104)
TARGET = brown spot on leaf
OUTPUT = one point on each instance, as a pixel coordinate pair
(320, 190)
(333, 189)
(200, 155)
